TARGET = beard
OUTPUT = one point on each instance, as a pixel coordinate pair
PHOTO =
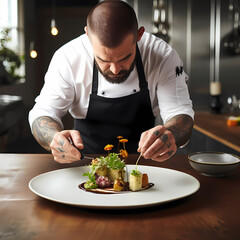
(116, 78)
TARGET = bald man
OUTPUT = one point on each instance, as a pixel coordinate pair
(114, 80)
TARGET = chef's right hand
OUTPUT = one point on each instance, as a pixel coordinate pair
(62, 150)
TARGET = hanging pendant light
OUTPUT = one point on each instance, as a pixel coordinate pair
(54, 30)
(32, 52)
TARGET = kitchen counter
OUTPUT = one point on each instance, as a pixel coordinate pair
(210, 213)
(215, 126)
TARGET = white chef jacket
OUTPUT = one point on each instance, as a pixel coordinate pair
(68, 81)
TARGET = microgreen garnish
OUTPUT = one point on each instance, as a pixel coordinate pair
(91, 183)
(135, 172)
(113, 161)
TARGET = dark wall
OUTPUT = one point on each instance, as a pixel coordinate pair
(71, 18)
(199, 71)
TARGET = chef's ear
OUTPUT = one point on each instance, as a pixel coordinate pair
(86, 30)
(141, 30)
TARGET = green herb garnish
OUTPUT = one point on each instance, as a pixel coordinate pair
(114, 162)
(135, 173)
(91, 183)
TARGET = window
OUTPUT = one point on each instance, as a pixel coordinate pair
(11, 17)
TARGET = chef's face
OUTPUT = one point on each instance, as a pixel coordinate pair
(115, 64)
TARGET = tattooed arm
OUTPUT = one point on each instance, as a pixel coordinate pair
(181, 127)
(44, 129)
(50, 136)
(161, 142)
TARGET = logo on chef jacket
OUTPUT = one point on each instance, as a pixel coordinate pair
(179, 70)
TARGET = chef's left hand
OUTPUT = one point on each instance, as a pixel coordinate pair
(157, 143)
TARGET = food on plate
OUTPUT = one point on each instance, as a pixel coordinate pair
(135, 181)
(138, 181)
(107, 174)
(118, 185)
(144, 180)
(104, 171)
(115, 174)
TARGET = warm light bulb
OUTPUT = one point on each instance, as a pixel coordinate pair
(33, 54)
(54, 31)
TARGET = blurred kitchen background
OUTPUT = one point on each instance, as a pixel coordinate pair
(205, 33)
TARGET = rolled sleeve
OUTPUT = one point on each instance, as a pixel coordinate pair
(172, 91)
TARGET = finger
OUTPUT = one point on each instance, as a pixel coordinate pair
(164, 143)
(72, 151)
(162, 150)
(165, 156)
(157, 147)
(142, 140)
(164, 138)
(58, 157)
(76, 138)
(61, 146)
(63, 157)
(62, 160)
(151, 137)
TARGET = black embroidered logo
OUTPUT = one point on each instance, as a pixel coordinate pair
(179, 70)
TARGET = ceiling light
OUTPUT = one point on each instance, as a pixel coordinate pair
(32, 52)
(54, 30)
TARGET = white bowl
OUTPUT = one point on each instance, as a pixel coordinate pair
(214, 164)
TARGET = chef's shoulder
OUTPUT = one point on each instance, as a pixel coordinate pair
(76, 50)
(157, 54)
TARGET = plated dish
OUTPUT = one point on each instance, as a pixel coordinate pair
(108, 175)
(62, 186)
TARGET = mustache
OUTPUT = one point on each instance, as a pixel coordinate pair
(116, 78)
(109, 72)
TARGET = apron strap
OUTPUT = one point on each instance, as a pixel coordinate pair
(95, 79)
(140, 70)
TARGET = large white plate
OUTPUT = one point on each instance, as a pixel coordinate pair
(62, 186)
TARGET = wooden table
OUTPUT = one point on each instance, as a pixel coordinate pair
(215, 126)
(211, 213)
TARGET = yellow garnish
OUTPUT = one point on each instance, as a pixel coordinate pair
(123, 153)
(124, 140)
(108, 147)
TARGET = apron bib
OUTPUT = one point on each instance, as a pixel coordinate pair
(108, 118)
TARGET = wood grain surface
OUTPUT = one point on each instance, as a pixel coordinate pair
(215, 126)
(211, 213)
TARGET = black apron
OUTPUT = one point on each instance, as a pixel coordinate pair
(108, 118)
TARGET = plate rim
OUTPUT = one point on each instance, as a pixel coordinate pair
(131, 206)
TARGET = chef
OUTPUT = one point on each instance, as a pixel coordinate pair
(114, 80)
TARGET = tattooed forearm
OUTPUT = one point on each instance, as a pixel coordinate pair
(181, 128)
(43, 130)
